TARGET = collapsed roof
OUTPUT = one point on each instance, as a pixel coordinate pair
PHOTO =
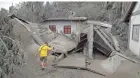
(32, 33)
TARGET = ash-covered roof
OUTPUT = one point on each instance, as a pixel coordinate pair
(67, 19)
(103, 24)
(12, 16)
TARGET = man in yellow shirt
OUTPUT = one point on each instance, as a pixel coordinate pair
(43, 53)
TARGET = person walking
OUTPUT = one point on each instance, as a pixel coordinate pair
(43, 53)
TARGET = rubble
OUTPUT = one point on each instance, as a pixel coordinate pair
(71, 61)
(95, 65)
(63, 44)
(126, 70)
(33, 35)
(101, 41)
(76, 61)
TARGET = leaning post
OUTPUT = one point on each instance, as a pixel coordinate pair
(90, 41)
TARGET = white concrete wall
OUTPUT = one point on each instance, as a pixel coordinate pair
(75, 26)
(134, 46)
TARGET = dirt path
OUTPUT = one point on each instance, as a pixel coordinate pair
(33, 70)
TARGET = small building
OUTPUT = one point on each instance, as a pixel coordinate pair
(76, 26)
(133, 18)
(66, 26)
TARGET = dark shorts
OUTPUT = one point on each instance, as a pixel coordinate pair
(43, 59)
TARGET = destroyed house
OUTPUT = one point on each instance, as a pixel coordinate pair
(132, 17)
(85, 33)
(90, 34)
(84, 29)
(98, 37)
(66, 26)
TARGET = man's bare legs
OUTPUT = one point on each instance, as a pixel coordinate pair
(44, 62)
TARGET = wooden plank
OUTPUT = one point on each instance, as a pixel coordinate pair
(83, 40)
(77, 50)
(106, 42)
(105, 35)
(83, 35)
(98, 23)
(116, 44)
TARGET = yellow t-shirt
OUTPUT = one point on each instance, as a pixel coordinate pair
(43, 50)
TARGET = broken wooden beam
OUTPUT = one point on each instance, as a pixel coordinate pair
(116, 43)
(77, 50)
(106, 36)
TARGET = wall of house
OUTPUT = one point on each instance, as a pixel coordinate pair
(134, 45)
(75, 26)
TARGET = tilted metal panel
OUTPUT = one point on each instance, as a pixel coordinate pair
(100, 45)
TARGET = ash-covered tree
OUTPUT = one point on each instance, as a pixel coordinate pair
(31, 11)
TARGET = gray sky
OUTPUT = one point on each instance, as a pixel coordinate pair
(7, 3)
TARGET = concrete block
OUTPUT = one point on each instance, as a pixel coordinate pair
(96, 66)
(72, 61)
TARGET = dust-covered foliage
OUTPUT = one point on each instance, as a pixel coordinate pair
(117, 11)
(11, 53)
(4, 26)
(120, 30)
(101, 11)
(38, 11)
(31, 11)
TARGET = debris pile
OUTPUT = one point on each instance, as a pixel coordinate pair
(70, 53)
(33, 35)
(103, 42)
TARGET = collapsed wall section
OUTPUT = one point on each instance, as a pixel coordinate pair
(21, 33)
